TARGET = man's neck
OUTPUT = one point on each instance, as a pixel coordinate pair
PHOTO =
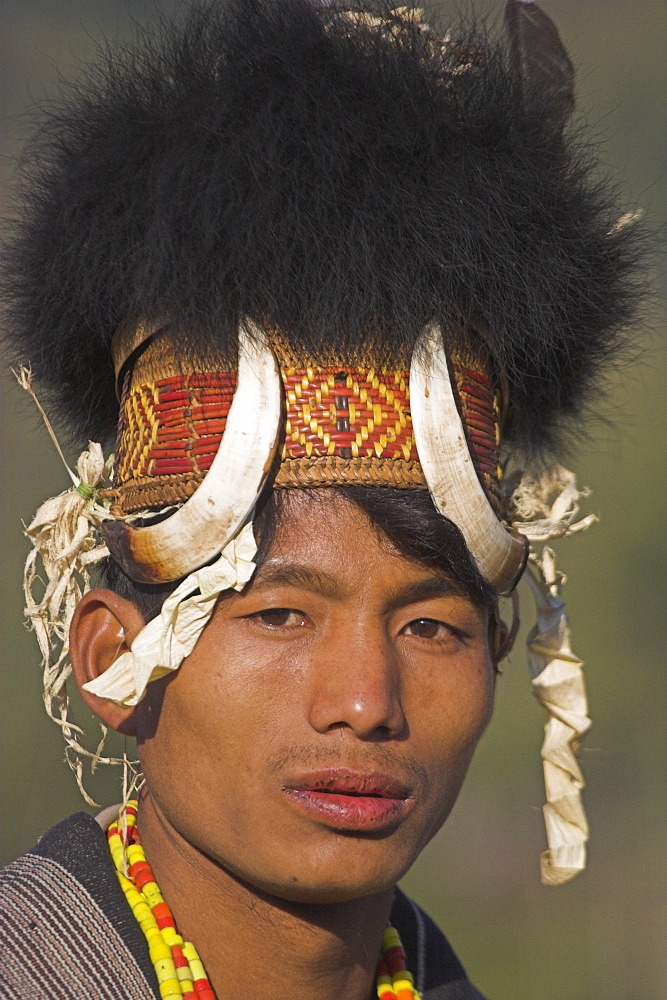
(255, 946)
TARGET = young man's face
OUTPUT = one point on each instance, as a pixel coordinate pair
(319, 733)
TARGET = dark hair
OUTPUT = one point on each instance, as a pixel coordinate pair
(406, 517)
(419, 185)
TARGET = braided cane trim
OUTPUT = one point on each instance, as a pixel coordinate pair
(332, 470)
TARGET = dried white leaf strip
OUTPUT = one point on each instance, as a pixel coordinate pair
(558, 684)
(163, 644)
(65, 539)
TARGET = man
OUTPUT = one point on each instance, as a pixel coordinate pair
(354, 208)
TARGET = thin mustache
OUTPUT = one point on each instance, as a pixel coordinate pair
(379, 758)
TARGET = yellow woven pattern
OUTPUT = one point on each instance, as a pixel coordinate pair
(141, 417)
(376, 410)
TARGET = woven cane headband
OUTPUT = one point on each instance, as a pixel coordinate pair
(188, 438)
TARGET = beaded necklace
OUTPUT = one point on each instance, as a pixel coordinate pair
(178, 967)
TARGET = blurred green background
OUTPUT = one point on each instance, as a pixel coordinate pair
(601, 937)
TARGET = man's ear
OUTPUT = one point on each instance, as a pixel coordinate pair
(103, 627)
(498, 641)
(501, 638)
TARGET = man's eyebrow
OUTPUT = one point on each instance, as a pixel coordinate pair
(296, 575)
(424, 590)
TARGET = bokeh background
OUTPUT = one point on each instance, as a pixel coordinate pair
(602, 936)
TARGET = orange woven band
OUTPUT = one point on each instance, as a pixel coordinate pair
(342, 424)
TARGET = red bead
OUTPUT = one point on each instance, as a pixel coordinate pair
(395, 959)
(396, 964)
(143, 878)
(203, 989)
(161, 912)
(137, 867)
(180, 961)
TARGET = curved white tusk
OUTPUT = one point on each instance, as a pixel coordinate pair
(448, 467)
(210, 518)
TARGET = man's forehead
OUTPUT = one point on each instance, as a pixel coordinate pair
(415, 582)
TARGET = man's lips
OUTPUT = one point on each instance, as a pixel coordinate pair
(350, 800)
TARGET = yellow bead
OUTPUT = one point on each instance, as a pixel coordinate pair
(135, 853)
(125, 883)
(170, 988)
(197, 969)
(141, 909)
(152, 894)
(160, 952)
(164, 966)
(403, 974)
(116, 851)
(391, 939)
(165, 969)
(171, 936)
(190, 952)
(117, 858)
(134, 898)
(401, 984)
(149, 926)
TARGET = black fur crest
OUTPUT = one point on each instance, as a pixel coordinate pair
(341, 183)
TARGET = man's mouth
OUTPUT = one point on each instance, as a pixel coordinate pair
(350, 800)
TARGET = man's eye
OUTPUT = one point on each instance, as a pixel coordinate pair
(280, 617)
(428, 628)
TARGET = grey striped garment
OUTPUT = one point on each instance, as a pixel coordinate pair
(67, 933)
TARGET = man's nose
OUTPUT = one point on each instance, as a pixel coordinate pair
(355, 683)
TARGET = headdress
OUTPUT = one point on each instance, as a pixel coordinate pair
(306, 245)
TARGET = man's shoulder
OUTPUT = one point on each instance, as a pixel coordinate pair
(438, 974)
(65, 927)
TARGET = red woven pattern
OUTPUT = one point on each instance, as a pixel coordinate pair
(480, 415)
(174, 426)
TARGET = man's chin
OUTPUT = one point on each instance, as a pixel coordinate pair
(323, 883)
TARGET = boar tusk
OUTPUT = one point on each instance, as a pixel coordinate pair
(448, 467)
(220, 506)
